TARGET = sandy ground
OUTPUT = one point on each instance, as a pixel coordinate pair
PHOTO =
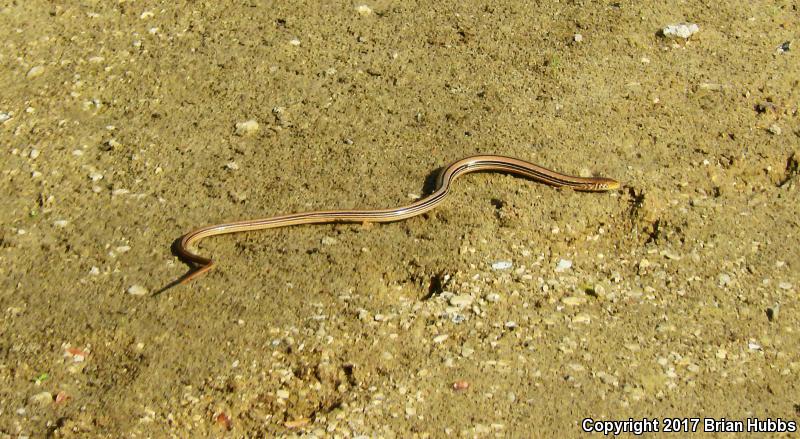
(118, 135)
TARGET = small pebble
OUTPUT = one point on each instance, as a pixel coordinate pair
(608, 379)
(502, 265)
(35, 71)
(363, 10)
(294, 42)
(774, 129)
(61, 397)
(95, 176)
(328, 240)
(4, 117)
(680, 30)
(669, 254)
(42, 398)
(247, 128)
(493, 297)
(785, 286)
(137, 290)
(582, 318)
(573, 301)
(577, 38)
(60, 223)
(460, 385)
(440, 338)
(461, 300)
(34, 153)
(282, 394)
(563, 265)
(233, 166)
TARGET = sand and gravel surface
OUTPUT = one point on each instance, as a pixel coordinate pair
(513, 310)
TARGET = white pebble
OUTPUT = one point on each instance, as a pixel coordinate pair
(563, 265)
(502, 265)
(282, 394)
(582, 318)
(246, 128)
(232, 166)
(294, 42)
(440, 338)
(95, 176)
(578, 38)
(680, 30)
(137, 290)
(573, 301)
(35, 71)
(34, 153)
(754, 346)
(493, 297)
(774, 129)
(608, 379)
(785, 286)
(364, 10)
(4, 117)
(328, 240)
(145, 15)
(461, 300)
(61, 223)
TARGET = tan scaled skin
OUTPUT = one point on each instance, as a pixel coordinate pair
(446, 177)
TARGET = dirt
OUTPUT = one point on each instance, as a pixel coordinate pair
(118, 135)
